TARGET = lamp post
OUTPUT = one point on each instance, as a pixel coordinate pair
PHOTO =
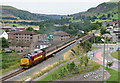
(107, 53)
(103, 58)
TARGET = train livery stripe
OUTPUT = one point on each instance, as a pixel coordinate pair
(38, 57)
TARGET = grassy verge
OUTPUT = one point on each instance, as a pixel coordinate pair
(115, 55)
(95, 48)
(114, 75)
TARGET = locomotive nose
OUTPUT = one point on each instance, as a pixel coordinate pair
(24, 63)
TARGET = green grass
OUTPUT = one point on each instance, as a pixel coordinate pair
(95, 48)
(11, 24)
(115, 55)
(114, 75)
(50, 78)
(10, 61)
(100, 20)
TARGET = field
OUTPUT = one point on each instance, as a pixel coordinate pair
(115, 55)
(10, 61)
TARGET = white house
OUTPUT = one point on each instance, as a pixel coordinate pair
(3, 34)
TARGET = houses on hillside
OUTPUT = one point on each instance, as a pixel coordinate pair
(115, 33)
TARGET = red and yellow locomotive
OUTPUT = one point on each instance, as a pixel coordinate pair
(30, 59)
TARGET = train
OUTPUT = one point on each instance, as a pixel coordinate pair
(35, 57)
(30, 59)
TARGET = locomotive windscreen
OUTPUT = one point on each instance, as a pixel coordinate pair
(26, 56)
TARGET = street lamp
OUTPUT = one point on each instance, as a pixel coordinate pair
(103, 58)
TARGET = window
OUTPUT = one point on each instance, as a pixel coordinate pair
(30, 34)
(30, 37)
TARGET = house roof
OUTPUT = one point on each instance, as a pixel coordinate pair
(6, 27)
(26, 32)
(13, 32)
(20, 27)
(61, 34)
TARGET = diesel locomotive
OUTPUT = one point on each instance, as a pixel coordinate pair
(30, 59)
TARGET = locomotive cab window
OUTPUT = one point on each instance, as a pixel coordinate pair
(35, 52)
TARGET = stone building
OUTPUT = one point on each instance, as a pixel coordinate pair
(60, 36)
(23, 40)
(11, 35)
(26, 36)
(22, 46)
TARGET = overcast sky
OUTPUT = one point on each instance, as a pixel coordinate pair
(61, 7)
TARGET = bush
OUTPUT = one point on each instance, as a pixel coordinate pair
(8, 51)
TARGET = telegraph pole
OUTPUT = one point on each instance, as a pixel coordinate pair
(103, 58)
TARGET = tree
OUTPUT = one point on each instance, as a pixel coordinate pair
(14, 26)
(109, 64)
(71, 67)
(86, 60)
(81, 60)
(29, 29)
(108, 15)
(4, 42)
(7, 30)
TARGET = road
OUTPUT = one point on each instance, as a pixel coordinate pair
(99, 55)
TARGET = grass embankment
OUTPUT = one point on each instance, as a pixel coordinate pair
(10, 61)
(55, 74)
(95, 48)
(115, 55)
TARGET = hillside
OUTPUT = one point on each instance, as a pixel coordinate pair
(114, 0)
(104, 11)
(12, 13)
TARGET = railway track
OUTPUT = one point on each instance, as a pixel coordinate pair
(11, 75)
(21, 70)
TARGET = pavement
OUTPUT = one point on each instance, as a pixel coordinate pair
(99, 55)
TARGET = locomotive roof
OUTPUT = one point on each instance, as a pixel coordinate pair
(33, 53)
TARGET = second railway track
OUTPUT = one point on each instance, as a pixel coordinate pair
(12, 75)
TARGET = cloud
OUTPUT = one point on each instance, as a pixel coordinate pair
(51, 1)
